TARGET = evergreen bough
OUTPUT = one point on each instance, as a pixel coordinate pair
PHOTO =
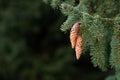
(100, 20)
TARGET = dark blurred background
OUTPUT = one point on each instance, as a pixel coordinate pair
(32, 47)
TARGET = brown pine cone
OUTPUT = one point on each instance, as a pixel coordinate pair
(74, 33)
(78, 47)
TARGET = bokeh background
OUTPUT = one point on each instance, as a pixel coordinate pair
(32, 47)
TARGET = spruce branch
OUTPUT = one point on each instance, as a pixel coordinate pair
(98, 54)
(55, 3)
(47, 1)
(69, 23)
(115, 51)
(98, 45)
(70, 10)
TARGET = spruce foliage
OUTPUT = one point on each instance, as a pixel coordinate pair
(100, 21)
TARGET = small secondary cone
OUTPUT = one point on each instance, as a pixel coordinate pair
(78, 47)
(74, 33)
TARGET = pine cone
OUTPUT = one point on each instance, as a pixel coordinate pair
(78, 47)
(74, 33)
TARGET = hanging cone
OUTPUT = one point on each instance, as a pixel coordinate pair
(78, 47)
(73, 34)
